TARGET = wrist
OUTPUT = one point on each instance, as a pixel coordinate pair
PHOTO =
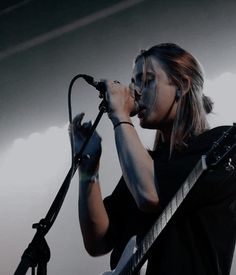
(88, 177)
(119, 118)
(123, 122)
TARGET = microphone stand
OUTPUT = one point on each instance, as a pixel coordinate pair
(37, 254)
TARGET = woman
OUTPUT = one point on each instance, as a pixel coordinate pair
(166, 93)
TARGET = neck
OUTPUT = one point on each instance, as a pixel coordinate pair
(166, 133)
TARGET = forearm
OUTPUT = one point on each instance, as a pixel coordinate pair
(93, 217)
(137, 166)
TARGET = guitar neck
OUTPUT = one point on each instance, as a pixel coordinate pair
(138, 257)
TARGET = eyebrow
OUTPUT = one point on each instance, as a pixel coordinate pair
(139, 76)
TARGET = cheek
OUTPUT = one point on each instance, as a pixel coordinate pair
(153, 99)
(150, 96)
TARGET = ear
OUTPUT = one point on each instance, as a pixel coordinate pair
(186, 85)
(178, 94)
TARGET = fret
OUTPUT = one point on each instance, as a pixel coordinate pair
(191, 177)
(189, 183)
(153, 230)
(167, 213)
(177, 200)
(174, 205)
(179, 197)
(157, 229)
(145, 245)
(151, 235)
(165, 216)
(161, 221)
(171, 208)
(182, 192)
(185, 189)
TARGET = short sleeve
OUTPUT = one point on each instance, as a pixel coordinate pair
(115, 205)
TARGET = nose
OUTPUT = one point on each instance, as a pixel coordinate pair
(136, 94)
(136, 91)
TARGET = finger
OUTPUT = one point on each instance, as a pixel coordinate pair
(131, 89)
(78, 119)
(87, 125)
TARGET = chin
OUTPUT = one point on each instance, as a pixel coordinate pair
(147, 124)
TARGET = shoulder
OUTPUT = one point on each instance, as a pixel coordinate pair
(196, 145)
(220, 178)
(217, 185)
(204, 141)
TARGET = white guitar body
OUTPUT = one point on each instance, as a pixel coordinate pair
(126, 255)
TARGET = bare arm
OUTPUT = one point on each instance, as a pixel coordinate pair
(137, 167)
(93, 218)
(136, 164)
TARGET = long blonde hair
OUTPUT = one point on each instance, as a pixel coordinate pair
(192, 108)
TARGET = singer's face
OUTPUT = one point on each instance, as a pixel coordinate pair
(157, 101)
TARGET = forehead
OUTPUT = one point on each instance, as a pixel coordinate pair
(146, 65)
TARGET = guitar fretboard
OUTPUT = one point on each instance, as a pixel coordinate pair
(139, 256)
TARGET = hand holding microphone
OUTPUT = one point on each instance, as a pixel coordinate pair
(117, 95)
(122, 103)
(120, 100)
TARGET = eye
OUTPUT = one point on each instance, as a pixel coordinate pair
(137, 80)
(149, 79)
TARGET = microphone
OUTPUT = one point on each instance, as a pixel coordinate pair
(98, 85)
(101, 87)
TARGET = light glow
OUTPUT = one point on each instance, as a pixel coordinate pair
(222, 90)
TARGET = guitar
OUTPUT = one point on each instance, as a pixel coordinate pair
(221, 152)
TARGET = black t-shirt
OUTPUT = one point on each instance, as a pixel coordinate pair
(200, 237)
